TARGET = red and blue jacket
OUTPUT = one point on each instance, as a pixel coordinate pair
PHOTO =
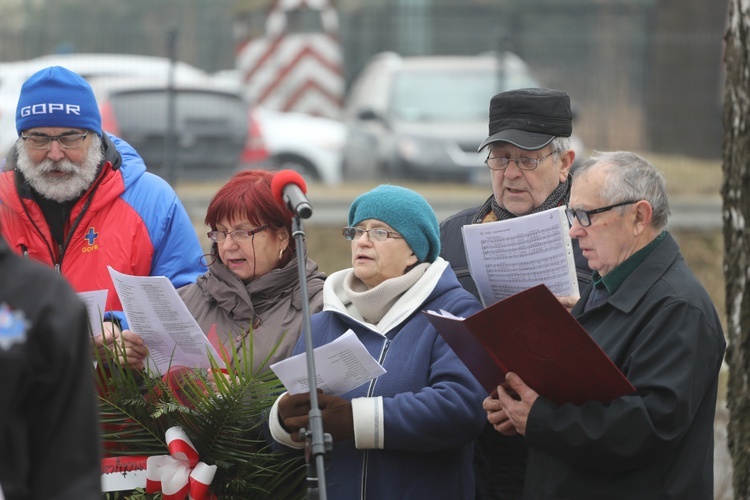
(128, 219)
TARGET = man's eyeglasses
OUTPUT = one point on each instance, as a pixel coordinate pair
(501, 163)
(375, 234)
(584, 216)
(237, 234)
(66, 141)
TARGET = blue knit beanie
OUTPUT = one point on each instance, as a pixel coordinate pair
(57, 97)
(405, 211)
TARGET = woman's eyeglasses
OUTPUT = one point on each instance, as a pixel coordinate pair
(237, 234)
(375, 234)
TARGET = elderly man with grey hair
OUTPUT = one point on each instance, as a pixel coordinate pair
(656, 322)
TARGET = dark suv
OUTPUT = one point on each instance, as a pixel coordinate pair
(208, 124)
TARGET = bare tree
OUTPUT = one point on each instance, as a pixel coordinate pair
(736, 212)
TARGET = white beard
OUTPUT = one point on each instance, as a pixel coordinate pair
(62, 180)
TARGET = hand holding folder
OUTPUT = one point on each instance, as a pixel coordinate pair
(532, 334)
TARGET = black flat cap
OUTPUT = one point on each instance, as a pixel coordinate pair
(529, 118)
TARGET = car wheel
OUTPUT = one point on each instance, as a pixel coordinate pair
(299, 164)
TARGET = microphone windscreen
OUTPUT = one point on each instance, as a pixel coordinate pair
(283, 178)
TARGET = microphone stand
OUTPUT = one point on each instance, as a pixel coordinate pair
(316, 441)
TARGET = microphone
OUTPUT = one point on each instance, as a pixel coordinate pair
(289, 188)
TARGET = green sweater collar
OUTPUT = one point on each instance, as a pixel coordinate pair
(619, 274)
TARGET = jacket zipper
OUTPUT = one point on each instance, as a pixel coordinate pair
(381, 359)
(370, 391)
(58, 264)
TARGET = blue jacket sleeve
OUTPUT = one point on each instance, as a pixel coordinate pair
(177, 252)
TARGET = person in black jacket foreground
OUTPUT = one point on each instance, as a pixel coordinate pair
(657, 323)
(530, 158)
(49, 428)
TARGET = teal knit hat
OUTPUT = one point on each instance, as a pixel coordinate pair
(404, 210)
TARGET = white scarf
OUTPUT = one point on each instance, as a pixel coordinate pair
(375, 302)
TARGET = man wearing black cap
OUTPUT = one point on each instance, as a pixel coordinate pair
(529, 156)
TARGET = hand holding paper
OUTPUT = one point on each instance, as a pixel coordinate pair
(126, 345)
(338, 419)
(157, 313)
(549, 350)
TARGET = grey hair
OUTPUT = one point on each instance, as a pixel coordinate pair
(630, 177)
(560, 145)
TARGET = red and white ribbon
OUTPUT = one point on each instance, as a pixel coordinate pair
(180, 474)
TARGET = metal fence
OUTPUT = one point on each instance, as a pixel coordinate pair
(638, 82)
(644, 75)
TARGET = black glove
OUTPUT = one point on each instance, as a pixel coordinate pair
(294, 412)
(338, 419)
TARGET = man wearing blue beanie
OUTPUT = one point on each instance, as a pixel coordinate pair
(74, 104)
(410, 432)
(80, 200)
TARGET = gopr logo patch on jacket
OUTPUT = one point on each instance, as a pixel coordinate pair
(90, 239)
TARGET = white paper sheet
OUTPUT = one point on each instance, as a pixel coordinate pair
(158, 315)
(340, 366)
(95, 301)
(444, 314)
(509, 256)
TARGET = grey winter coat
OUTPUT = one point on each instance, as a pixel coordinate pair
(270, 307)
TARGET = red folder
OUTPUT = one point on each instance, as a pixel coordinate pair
(533, 335)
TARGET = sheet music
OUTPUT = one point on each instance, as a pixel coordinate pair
(509, 256)
(156, 312)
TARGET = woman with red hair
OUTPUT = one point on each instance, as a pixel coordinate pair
(252, 286)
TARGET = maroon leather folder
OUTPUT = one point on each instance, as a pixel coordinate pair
(533, 335)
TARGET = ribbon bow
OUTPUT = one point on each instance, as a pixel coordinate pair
(179, 475)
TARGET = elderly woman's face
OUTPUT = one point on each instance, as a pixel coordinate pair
(376, 261)
(253, 256)
(612, 236)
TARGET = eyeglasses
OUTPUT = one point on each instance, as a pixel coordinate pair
(375, 234)
(66, 141)
(237, 234)
(584, 216)
(501, 163)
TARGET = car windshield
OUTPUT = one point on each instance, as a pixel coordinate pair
(440, 95)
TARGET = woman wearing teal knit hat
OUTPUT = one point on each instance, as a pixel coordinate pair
(408, 433)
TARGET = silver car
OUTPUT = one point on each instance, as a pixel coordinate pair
(424, 117)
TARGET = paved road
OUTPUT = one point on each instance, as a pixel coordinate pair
(331, 204)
